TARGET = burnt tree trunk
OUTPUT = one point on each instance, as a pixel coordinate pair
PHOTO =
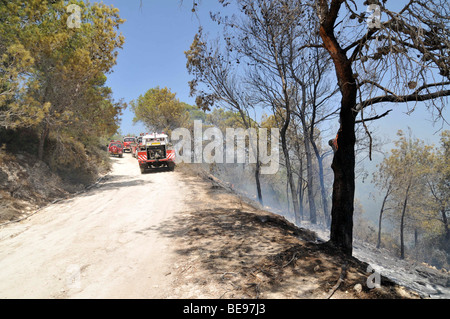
(289, 173)
(402, 223)
(247, 124)
(309, 168)
(381, 215)
(258, 174)
(310, 178)
(323, 191)
(343, 165)
(300, 189)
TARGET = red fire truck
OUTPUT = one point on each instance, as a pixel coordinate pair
(127, 143)
(153, 153)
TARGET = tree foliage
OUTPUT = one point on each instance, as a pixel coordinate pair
(160, 110)
(53, 75)
(416, 178)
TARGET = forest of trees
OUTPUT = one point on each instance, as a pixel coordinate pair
(307, 62)
(415, 182)
(54, 104)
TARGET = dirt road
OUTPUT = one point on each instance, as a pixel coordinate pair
(97, 245)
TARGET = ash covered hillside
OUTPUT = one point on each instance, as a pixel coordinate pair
(424, 278)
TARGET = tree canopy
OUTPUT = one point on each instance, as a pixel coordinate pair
(160, 110)
(53, 71)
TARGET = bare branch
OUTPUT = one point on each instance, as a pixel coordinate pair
(374, 117)
(405, 98)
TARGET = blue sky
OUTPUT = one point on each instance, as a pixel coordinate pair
(156, 37)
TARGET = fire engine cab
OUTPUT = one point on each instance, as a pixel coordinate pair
(127, 143)
(154, 153)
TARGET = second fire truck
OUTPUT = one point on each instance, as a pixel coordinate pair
(154, 153)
